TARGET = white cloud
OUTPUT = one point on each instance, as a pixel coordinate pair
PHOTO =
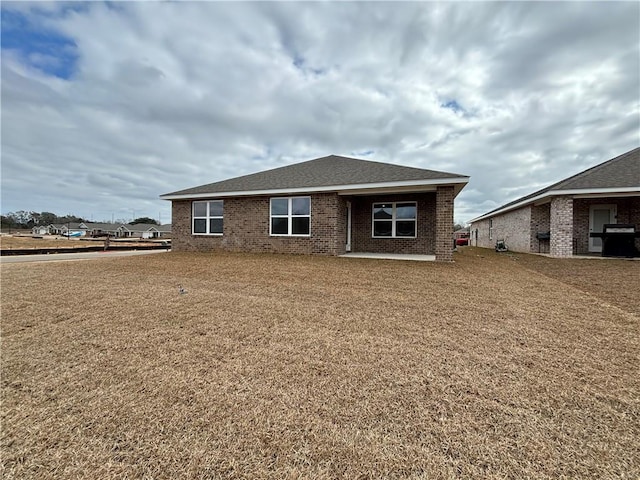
(165, 96)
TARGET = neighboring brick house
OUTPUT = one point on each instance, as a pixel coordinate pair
(327, 206)
(558, 219)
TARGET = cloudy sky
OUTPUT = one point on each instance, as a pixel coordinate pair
(105, 106)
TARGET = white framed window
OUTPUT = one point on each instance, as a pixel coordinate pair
(490, 228)
(394, 220)
(207, 217)
(290, 216)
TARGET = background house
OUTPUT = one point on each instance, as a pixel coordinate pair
(329, 206)
(91, 229)
(40, 230)
(102, 229)
(138, 230)
(163, 231)
(72, 229)
(559, 219)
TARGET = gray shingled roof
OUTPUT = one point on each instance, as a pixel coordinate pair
(622, 171)
(139, 227)
(321, 172)
(102, 226)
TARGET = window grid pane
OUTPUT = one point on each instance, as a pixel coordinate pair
(215, 208)
(406, 229)
(200, 225)
(395, 220)
(199, 209)
(300, 206)
(290, 216)
(300, 226)
(215, 225)
(383, 211)
(208, 217)
(405, 211)
(279, 206)
(382, 228)
(279, 226)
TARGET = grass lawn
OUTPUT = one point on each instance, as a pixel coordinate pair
(274, 366)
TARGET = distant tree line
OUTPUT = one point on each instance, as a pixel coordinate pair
(144, 220)
(27, 220)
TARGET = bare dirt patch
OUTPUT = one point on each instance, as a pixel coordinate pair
(306, 367)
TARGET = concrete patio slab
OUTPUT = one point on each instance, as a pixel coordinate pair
(391, 256)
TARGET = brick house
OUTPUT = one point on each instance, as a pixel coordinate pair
(558, 219)
(328, 206)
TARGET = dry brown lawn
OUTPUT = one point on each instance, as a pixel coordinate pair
(495, 366)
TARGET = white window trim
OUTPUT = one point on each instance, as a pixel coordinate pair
(289, 218)
(207, 218)
(393, 220)
(491, 229)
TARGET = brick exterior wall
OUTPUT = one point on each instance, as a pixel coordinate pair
(361, 225)
(444, 224)
(479, 232)
(540, 223)
(246, 226)
(561, 226)
(513, 227)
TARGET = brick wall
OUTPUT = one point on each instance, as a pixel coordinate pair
(246, 228)
(581, 223)
(540, 223)
(513, 227)
(561, 226)
(480, 234)
(444, 224)
(361, 225)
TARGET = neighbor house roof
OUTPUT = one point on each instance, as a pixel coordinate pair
(103, 226)
(332, 173)
(620, 175)
(139, 227)
(74, 225)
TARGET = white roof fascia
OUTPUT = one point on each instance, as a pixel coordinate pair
(632, 193)
(576, 193)
(330, 188)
